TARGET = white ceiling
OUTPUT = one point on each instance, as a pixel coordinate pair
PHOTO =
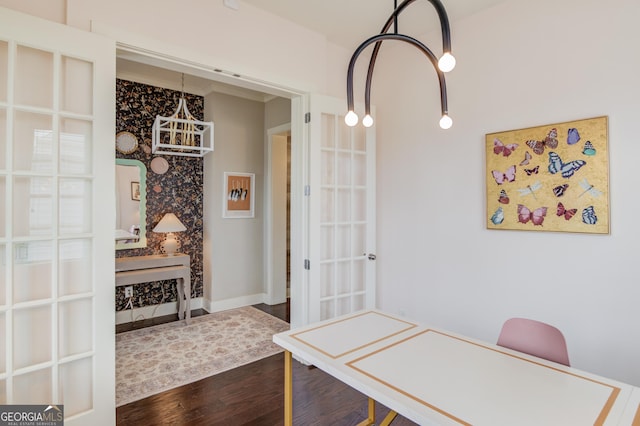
(347, 23)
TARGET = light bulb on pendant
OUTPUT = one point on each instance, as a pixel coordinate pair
(351, 119)
(367, 121)
(446, 122)
(447, 62)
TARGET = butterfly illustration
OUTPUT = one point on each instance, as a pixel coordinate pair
(551, 141)
(498, 216)
(527, 158)
(536, 217)
(573, 136)
(589, 149)
(568, 214)
(589, 216)
(566, 169)
(508, 176)
(500, 148)
(503, 198)
(589, 188)
(559, 190)
(530, 189)
(533, 171)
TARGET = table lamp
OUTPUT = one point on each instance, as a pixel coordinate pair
(169, 224)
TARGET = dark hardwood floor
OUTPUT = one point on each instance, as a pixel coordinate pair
(254, 395)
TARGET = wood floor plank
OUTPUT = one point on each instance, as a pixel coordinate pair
(254, 395)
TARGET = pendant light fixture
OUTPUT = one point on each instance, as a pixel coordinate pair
(181, 133)
(445, 64)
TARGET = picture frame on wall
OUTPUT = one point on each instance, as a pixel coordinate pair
(135, 191)
(238, 195)
(549, 178)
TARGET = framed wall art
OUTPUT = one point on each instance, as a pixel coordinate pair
(135, 191)
(549, 178)
(238, 195)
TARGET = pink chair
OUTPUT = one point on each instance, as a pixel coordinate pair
(534, 338)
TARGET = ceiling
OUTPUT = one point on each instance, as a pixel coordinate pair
(347, 23)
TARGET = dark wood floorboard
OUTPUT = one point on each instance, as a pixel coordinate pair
(254, 395)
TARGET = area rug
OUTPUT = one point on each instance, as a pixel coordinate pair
(155, 359)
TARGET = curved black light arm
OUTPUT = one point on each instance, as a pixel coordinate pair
(393, 36)
(446, 41)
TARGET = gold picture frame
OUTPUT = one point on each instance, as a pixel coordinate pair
(549, 178)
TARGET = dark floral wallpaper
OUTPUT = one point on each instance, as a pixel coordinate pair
(179, 190)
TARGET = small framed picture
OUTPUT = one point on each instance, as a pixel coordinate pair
(135, 191)
(238, 195)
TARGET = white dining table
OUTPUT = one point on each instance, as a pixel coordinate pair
(435, 377)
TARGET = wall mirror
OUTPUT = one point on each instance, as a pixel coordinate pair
(131, 204)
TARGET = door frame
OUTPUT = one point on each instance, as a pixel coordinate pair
(176, 58)
(275, 291)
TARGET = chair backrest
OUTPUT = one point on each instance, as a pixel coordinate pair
(534, 338)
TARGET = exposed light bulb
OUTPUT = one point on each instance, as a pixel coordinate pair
(367, 121)
(447, 62)
(351, 119)
(446, 122)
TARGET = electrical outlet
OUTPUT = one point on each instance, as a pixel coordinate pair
(128, 291)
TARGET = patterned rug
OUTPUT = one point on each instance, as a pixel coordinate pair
(155, 359)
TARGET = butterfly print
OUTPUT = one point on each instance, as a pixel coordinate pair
(589, 188)
(536, 217)
(568, 214)
(527, 158)
(498, 216)
(589, 149)
(530, 189)
(566, 169)
(533, 171)
(508, 176)
(500, 148)
(573, 137)
(559, 190)
(503, 198)
(589, 216)
(551, 141)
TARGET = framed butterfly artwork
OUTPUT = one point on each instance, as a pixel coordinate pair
(549, 178)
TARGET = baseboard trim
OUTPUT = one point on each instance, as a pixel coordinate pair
(146, 312)
(236, 302)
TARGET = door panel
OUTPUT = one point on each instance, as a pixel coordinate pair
(56, 242)
(341, 212)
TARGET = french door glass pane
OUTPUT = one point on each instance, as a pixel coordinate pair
(3, 355)
(76, 390)
(74, 330)
(76, 86)
(327, 234)
(4, 63)
(33, 387)
(327, 309)
(3, 138)
(32, 269)
(74, 267)
(3, 278)
(343, 277)
(326, 278)
(3, 196)
(75, 146)
(32, 206)
(75, 206)
(343, 239)
(344, 168)
(32, 142)
(31, 339)
(34, 77)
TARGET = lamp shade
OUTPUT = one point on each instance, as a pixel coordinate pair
(169, 223)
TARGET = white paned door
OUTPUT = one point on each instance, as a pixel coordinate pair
(341, 212)
(57, 320)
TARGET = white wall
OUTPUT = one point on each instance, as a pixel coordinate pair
(520, 64)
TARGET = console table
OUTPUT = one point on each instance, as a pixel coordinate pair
(143, 269)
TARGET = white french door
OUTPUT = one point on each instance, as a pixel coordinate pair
(57, 127)
(341, 212)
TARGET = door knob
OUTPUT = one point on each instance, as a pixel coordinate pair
(371, 256)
